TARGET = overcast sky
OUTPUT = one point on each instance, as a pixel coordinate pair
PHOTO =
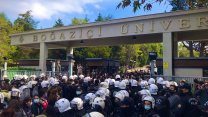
(47, 11)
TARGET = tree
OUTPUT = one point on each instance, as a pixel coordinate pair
(6, 28)
(26, 21)
(200, 46)
(58, 23)
(101, 18)
(76, 21)
(148, 4)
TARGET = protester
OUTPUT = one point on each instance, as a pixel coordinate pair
(102, 95)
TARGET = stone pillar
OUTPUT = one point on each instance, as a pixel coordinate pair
(71, 61)
(175, 45)
(43, 56)
(5, 71)
(167, 54)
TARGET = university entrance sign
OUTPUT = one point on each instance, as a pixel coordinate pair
(170, 22)
(164, 27)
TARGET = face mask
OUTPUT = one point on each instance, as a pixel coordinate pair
(147, 107)
(78, 92)
(36, 100)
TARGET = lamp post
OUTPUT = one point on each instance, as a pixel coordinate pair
(5, 68)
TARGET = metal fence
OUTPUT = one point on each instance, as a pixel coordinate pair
(11, 73)
(189, 79)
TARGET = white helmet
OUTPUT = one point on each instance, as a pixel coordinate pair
(125, 93)
(160, 80)
(20, 77)
(44, 84)
(81, 76)
(16, 77)
(64, 78)
(1, 97)
(120, 96)
(15, 92)
(25, 77)
(95, 114)
(153, 89)
(116, 84)
(125, 81)
(134, 83)
(75, 76)
(143, 84)
(107, 80)
(112, 81)
(150, 99)
(31, 83)
(98, 101)
(101, 93)
(122, 85)
(22, 88)
(90, 97)
(87, 79)
(104, 85)
(118, 76)
(71, 77)
(151, 81)
(166, 83)
(173, 83)
(144, 93)
(63, 105)
(53, 81)
(78, 103)
(107, 91)
(42, 75)
(32, 76)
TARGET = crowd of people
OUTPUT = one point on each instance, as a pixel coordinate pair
(102, 95)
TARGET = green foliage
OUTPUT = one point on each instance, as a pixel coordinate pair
(23, 23)
(177, 4)
(91, 52)
(101, 18)
(20, 68)
(58, 23)
(26, 21)
(6, 50)
(127, 54)
(76, 21)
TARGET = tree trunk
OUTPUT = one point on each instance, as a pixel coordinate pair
(202, 49)
(191, 49)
